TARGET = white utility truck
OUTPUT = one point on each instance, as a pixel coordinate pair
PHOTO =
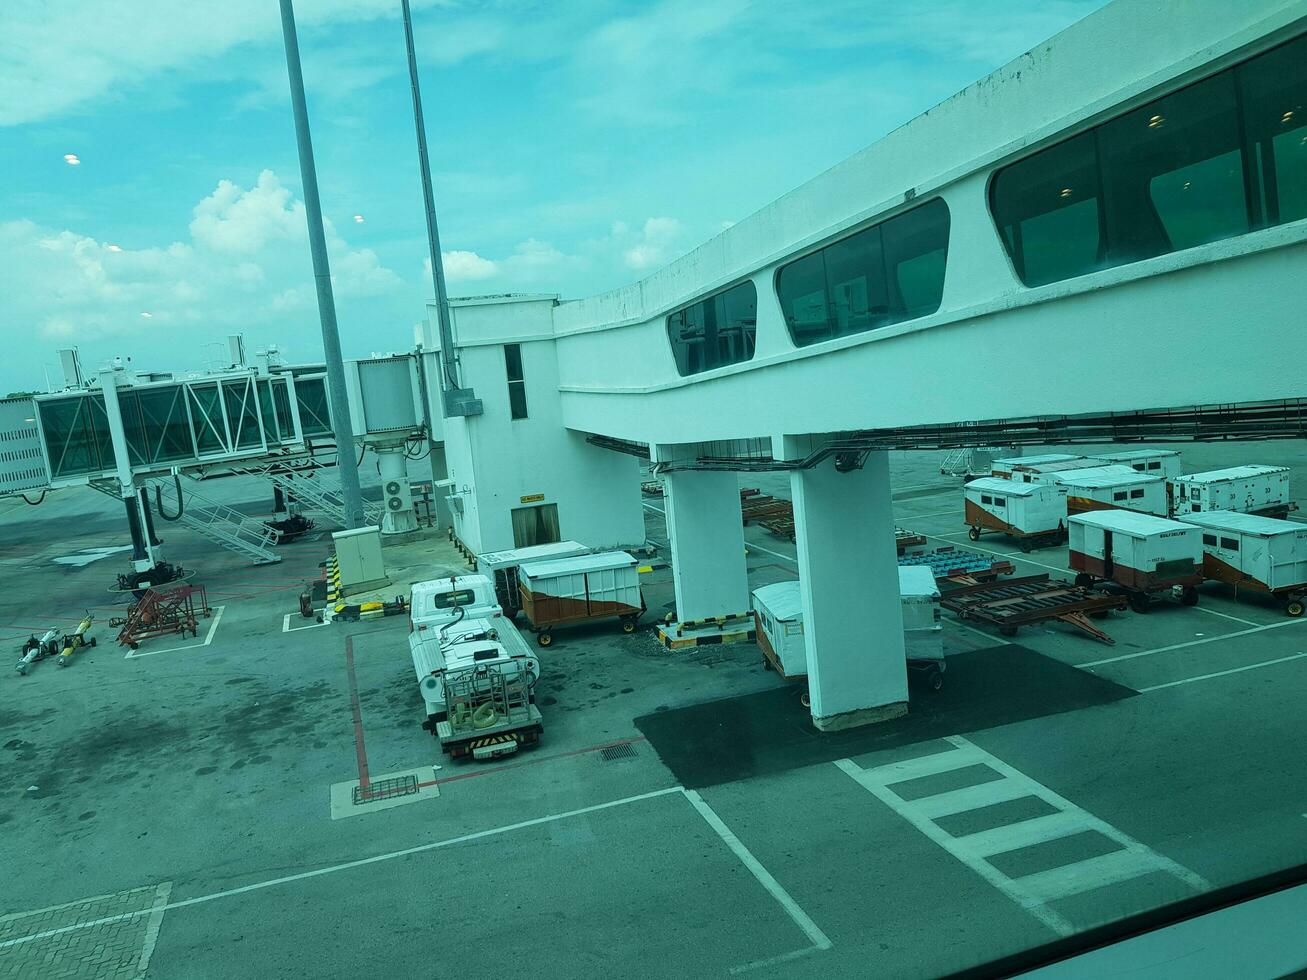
(477, 678)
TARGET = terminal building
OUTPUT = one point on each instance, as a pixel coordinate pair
(1112, 225)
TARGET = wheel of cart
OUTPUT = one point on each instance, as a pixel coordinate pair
(1084, 581)
(930, 671)
(1189, 596)
(1025, 545)
(973, 532)
(1007, 631)
(1140, 602)
(544, 638)
(1295, 606)
(629, 623)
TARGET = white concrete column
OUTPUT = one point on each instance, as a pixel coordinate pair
(707, 538)
(849, 581)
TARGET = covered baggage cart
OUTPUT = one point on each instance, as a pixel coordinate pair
(778, 622)
(501, 568)
(1252, 489)
(1260, 554)
(1005, 467)
(1154, 462)
(1106, 487)
(1139, 554)
(1033, 513)
(957, 566)
(581, 589)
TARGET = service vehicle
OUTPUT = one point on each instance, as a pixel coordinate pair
(477, 678)
(1033, 513)
(1138, 554)
(1252, 489)
(1256, 554)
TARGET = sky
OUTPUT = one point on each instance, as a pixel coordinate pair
(150, 194)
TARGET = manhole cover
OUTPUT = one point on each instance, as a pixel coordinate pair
(615, 752)
(385, 789)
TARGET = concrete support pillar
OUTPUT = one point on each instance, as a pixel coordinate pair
(707, 539)
(849, 581)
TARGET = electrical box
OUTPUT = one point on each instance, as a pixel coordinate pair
(358, 559)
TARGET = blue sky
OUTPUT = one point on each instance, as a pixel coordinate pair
(576, 146)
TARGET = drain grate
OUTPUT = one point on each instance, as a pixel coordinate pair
(615, 752)
(386, 789)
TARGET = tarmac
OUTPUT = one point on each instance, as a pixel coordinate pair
(169, 814)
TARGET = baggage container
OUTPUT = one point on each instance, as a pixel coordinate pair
(778, 623)
(1253, 489)
(1106, 487)
(1006, 467)
(1033, 513)
(1154, 462)
(581, 589)
(1260, 554)
(501, 568)
(1138, 553)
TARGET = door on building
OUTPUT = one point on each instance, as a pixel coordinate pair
(535, 525)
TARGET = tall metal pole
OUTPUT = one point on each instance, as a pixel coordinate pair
(340, 420)
(456, 401)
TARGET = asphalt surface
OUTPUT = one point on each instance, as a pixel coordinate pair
(189, 788)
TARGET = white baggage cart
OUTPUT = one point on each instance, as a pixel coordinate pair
(1256, 554)
(1033, 513)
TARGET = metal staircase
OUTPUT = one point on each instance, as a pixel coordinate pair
(226, 527)
(319, 491)
(955, 463)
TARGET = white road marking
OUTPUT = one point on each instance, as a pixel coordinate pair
(1222, 673)
(208, 638)
(1189, 643)
(1213, 612)
(88, 555)
(652, 507)
(774, 960)
(757, 547)
(161, 895)
(979, 632)
(333, 868)
(800, 917)
(1034, 891)
(971, 545)
(286, 628)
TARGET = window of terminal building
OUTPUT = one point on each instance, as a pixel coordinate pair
(1219, 158)
(516, 383)
(716, 331)
(535, 525)
(888, 273)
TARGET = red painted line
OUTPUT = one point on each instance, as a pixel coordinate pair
(359, 749)
(529, 762)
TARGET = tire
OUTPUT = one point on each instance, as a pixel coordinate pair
(1189, 597)
(936, 680)
(1083, 580)
(1025, 545)
(544, 638)
(973, 533)
(628, 626)
(1140, 601)
(1294, 607)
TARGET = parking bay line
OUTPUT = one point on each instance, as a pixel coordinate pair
(1213, 612)
(286, 627)
(816, 937)
(1189, 643)
(208, 638)
(1222, 673)
(333, 868)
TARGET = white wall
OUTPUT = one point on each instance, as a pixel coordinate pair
(500, 460)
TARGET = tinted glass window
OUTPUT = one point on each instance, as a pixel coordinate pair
(1214, 160)
(516, 381)
(716, 331)
(1209, 539)
(888, 273)
(447, 600)
(1119, 495)
(1232, 544)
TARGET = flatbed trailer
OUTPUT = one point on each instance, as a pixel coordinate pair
(781, 525)
(957, 566)
(1033, 599)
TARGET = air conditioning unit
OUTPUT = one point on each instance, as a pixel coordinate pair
(395, 497)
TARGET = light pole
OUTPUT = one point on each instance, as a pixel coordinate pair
(340, 420)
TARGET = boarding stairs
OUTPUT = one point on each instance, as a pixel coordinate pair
(313, 488)
(225, 526)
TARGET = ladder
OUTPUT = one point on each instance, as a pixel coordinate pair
(319, 491)
(955, 463)
(225, 526)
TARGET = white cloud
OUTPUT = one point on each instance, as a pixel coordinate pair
(461, 266)
(246, 258)
(654, 245)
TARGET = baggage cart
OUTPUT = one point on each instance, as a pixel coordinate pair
(1114, 486)
(1155, 462)
(1253, 489)
(1137, 554)
(956, 566)
(582, 589)
(1033, 599)
(1255, 554)
(1032, 513)
(1006, 466)
(501, 567)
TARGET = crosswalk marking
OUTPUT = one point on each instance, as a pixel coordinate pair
(1032, 892)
